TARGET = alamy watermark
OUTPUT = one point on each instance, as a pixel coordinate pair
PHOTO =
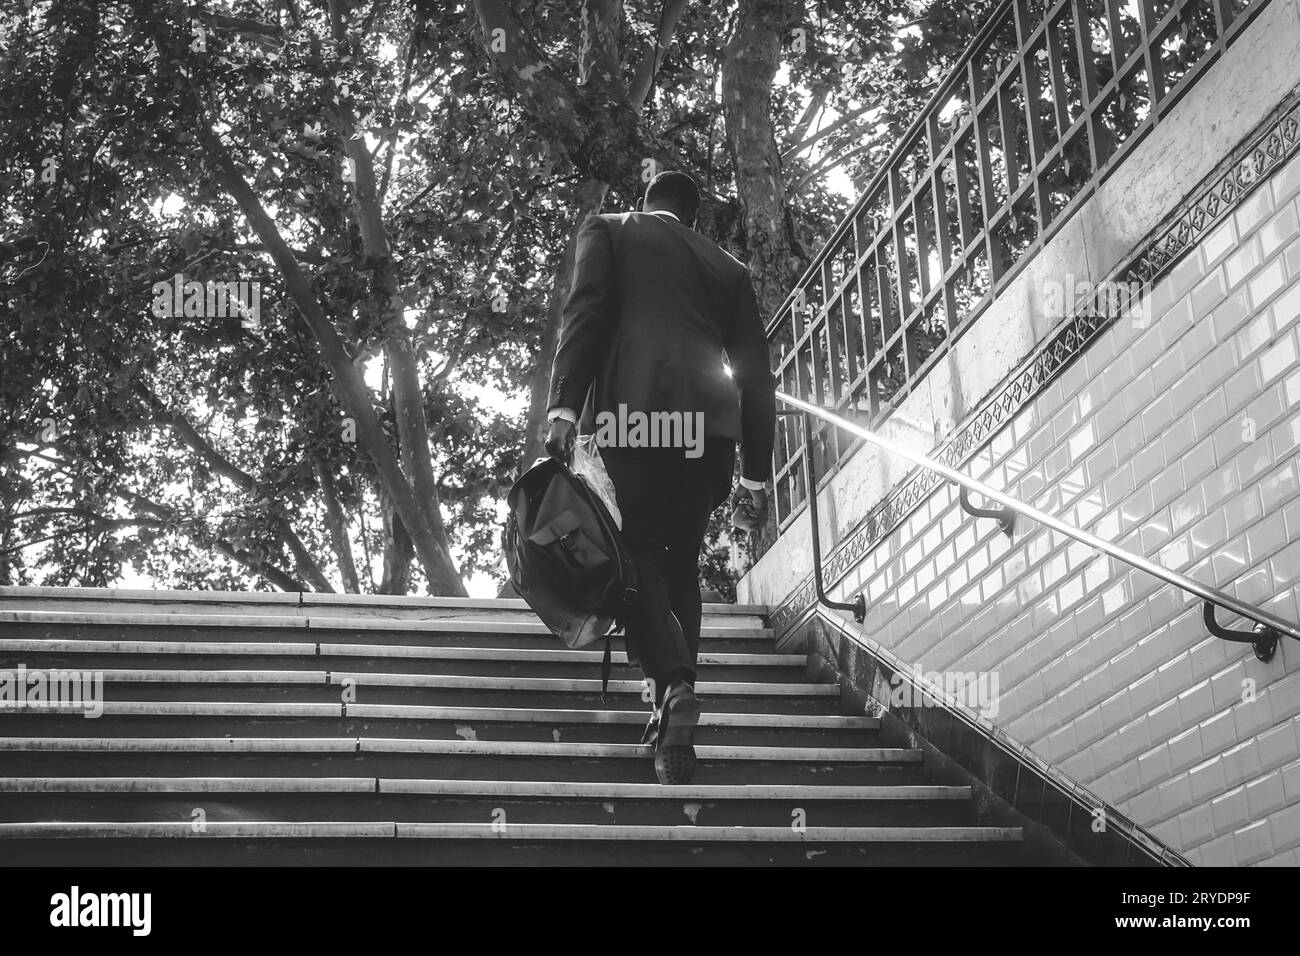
(636, 429)
(209, 300)
(98, 910)
(24, 689)
(1113, 300)
(979, 691)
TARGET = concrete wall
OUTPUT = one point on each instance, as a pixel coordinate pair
(1174, 435)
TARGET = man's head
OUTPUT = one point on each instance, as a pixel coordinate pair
(676, 193)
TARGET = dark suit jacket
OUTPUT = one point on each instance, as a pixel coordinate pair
(653, 312)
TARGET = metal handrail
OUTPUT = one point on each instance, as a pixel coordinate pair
(1268, 626)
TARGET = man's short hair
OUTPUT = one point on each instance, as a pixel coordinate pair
(674, 189)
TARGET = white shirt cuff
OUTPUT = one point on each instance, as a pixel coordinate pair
(751, 484)
(560, 412)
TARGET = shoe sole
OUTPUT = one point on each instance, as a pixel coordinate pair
(675, 755)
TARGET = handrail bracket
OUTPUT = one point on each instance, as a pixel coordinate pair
(1005, 516)
(1263, 638)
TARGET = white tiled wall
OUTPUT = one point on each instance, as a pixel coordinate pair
(1175, 435)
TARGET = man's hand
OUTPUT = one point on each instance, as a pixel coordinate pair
(560, 438)
(749, 508)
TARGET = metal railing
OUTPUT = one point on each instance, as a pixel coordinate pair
(1268, 627)
(1048, 98)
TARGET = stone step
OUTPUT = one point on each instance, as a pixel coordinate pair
(454, 758)
(396, 659)
(297, 604)
(325, 687)
(293, 719)
(123, 799)
(512, 636)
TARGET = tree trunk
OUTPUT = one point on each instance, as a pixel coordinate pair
(398, 554)
(338, 528)
(749, 67)
(352, 392)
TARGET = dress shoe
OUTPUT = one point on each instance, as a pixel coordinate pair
(675, 749)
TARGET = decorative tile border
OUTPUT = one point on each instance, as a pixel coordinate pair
(1213, 203)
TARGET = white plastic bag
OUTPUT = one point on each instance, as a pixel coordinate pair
(588, 464)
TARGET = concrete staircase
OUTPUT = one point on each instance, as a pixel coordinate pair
(289, 728)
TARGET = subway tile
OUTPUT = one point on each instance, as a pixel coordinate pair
(1286, 309)
(1279, 230)
(1056, 464)
(1230, 810)
(1230, 560)
(1291, 782)
(1177, 322)
(1218, 734)
(1174, 677)
(1277, 745)
(1177, 439)
(1284, 825)
(1254, 586)
(1208, 657)
(1165, 721)
(1147, 462)
(1243, 261)
(1286, 181)
(1144, 353)
(1265, 795)
(1262, 413)
(1221, 240)
(1197, 702)
(1188, 392)
(1251, 717)
(1254, 459)
(1185, 751)
(1208, 533)
(1254, 842)
(1144, 693)
(1207, 779)
(1154, 531)
(1263, 286)
(1292, 255)
(1241, 387)
(1196, 825)
(1243, 510)
(1285, 438)
(1220, 484)
(1167, 485)
(1153, 767)
(1208, 294)
(1220, 851)
(1284, 698)
(1230, 437)
(1277, 487)
(1185, 274)
(1226, 685)
(1253, 210)
(1264, 539)
(1278, 358)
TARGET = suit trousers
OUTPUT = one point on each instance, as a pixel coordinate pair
(665, 499)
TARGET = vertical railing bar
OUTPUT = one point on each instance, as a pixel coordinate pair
(853, 327)
(1056, 70)
(1088, 80)
(1154, 80)
(942, 226)
(1034, 141)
